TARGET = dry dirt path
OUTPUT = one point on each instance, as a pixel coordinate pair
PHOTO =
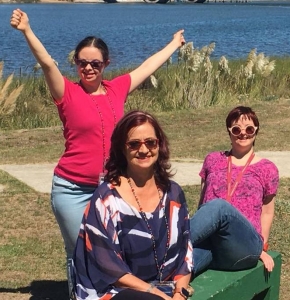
(39, 176)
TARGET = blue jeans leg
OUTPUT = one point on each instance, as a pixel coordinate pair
(202, 258)
(233, 241)
(68, 201)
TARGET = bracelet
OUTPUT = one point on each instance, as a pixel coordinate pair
(266, 247)
(151, 287)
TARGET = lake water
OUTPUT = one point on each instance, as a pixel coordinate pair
(135, 31)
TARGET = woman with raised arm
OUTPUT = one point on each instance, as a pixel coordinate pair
(134, 240)
(89, 110)
(231, 228)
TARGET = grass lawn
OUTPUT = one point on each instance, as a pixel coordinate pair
(32, 258)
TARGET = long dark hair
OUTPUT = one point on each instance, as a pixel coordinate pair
(116, 165)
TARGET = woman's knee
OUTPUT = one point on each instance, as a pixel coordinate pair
(217, 204)
(244, 263)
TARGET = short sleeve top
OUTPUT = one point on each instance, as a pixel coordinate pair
(88, 123)
(259, 180)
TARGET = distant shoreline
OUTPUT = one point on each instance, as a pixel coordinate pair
(137, 1)
(40, 1)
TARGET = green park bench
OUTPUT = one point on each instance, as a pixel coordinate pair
(252, 284)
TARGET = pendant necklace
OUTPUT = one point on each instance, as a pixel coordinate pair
(160, 268)
(102, 120)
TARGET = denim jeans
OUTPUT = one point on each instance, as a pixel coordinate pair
(68, 201)
(223, 238)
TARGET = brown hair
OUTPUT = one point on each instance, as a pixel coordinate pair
(116, 165)
(239, 111)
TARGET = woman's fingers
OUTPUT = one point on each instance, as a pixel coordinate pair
(178, 36)
(19, 19)
(267, 261)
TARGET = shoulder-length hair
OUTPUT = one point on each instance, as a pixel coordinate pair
(116, 165)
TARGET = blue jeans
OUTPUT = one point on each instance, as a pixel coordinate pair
(68, 201)
(223, 238)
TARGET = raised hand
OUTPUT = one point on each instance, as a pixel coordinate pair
(54, 79)
(19, 20)
(179, 38)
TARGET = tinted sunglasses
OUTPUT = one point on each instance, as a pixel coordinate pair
(95, 64)
(237, 130)
(149, 143)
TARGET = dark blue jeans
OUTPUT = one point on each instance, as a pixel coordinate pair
(223, 238)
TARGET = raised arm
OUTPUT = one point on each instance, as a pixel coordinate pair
(150, 65)
(19, 20)
(267, 217)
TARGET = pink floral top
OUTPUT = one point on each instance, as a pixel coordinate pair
(260, 179)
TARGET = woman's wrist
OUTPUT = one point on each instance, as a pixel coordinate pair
(184, 292)
(265, 247)
(27, 31)
(178, 296)
(150, 288)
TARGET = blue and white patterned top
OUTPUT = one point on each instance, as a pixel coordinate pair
(114, 240)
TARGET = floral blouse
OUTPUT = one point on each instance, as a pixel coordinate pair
(260, 180)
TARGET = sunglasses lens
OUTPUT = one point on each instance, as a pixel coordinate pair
(134, 145)
(96, 64)
(236, 130)
(82, 63)
(151, 144)
(250, 130)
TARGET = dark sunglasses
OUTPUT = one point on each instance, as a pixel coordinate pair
(237, 130)
(95, 64)
(149, 143)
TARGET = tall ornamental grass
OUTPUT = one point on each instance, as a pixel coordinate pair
(9, 92)
(25, 102)
(198, 81)
(194, 81)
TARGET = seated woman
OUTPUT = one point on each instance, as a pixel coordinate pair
(135, 230)
(231, 228)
